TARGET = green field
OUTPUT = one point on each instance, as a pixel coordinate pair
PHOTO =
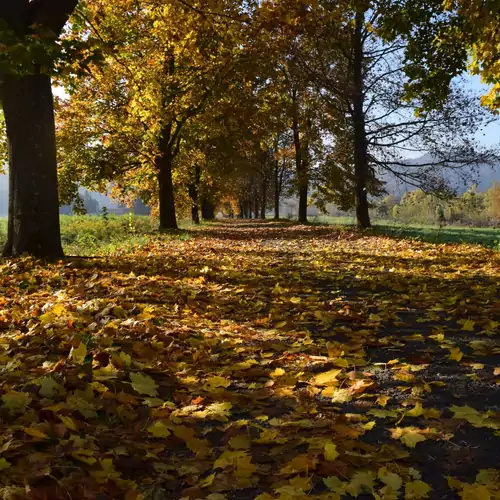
(486, 236)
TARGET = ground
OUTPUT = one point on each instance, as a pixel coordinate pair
(253, 361)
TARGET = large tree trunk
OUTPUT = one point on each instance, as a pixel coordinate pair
(33, 225)
(264, 198)
(193, 194)
(277, 190)
(361, 168)
(300, 165)
(207, 210)
(168, 218)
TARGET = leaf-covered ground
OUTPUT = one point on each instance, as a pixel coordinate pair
(253, 362)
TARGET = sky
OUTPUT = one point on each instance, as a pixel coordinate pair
(490, 136)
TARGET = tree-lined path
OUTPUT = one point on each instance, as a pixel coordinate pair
(253, 360)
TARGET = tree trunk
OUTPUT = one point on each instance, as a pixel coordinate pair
(301, 166)
(207, 210)
(264, 199)
(193, 194)
(277, 190)
(361, 168)
(168, 218)
(256, 207)
(33, 224)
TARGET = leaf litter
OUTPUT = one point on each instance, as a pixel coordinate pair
(253, 361)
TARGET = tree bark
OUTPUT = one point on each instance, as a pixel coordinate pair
(27, 101)
(264, 198)
(33, 225)
(277, 190)
(300, 165)
(361, 167)
(207, 210)
(193, 194)
(168, 219)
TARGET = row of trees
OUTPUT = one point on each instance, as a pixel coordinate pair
(471, 208)
(192, 105)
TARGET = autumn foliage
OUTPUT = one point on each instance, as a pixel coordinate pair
(252, 362)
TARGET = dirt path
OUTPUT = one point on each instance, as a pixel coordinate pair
(254, 361)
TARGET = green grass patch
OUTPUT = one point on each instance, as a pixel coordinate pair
(486, 236)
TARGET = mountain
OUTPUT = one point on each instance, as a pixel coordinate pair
(101, 199)
(484, 176)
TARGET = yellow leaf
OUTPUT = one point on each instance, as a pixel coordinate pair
(361, 482)
(239, 443)
(496, 371)
(295, 300)
(4, 464)
(301, 463)
(409, 436)
(49, 387)
(78, 354)
(468, 326)
(456, 354)
(417, 490)
(383, 400)
(417, 411)
(333, 483)
(159, 430)
(244, 467)
(279, 372)
(84, 459)
(216, 382)
(68, 422)
(143, 384)
(327, 378)
(228, 458)
(16, 401)
(208, 481)
(369, 425)
(390, 479)
(35, 432)
(331, 453)
(382, 413)
(341, 396)
(475, 492)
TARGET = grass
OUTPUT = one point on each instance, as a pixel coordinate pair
(487, 236)
(91, 235)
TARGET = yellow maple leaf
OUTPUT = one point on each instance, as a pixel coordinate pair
(417, 490)
(468, 326)
(409, 436)
(78, 354)
(341, 396)
(475, 492)
(330, 452)
(16, 401)
(240, 443)
(416, 411)
(159, 430)
(4, 464)
(327, 378)
(216, 382)
(35, 432)
(456, 354)
(390, 479)
(143, 384)
(279, 372)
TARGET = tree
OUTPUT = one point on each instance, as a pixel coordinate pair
(372, 122)
(164, 64)
(444, 40)
(29, 36)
